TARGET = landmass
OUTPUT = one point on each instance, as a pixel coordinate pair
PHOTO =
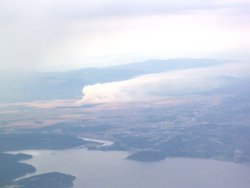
(48, 180)
(211, 124)
(147, 156)
(11, 168)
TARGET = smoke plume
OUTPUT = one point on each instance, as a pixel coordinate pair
(155, 86)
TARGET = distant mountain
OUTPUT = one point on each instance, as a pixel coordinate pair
(67, 85)
(155, 66)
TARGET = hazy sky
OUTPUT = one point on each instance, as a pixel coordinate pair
(69, 34)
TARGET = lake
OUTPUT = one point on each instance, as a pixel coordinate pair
(106, 169)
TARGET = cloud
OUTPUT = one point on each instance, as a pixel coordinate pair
(161, 85)
(64, 33)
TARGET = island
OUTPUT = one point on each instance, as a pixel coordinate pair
(48, 180)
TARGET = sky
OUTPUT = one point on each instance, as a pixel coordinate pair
(60, 35)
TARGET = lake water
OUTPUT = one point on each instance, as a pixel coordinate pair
(105, 169)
